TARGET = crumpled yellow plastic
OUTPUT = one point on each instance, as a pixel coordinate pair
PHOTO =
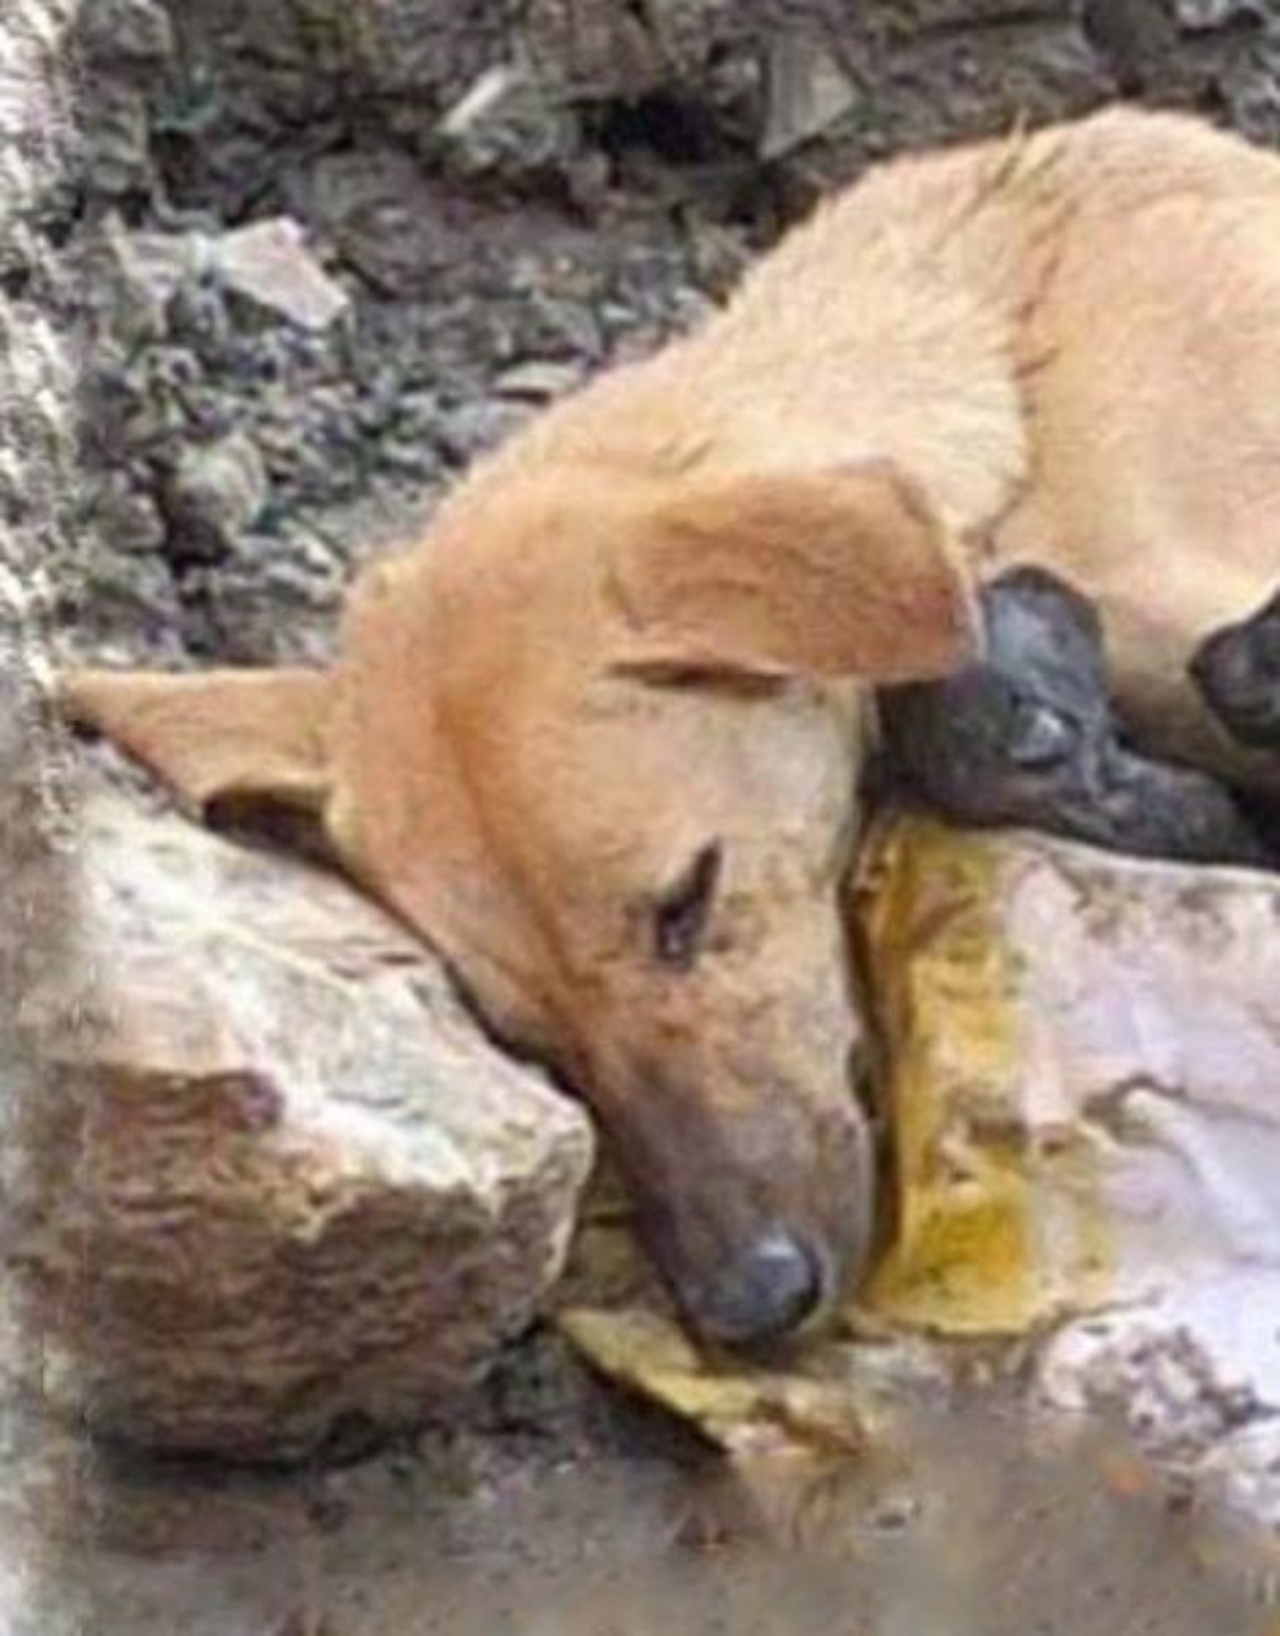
(925, 909)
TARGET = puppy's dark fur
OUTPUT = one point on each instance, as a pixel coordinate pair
(1027, 735)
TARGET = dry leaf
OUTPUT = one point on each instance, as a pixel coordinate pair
(741, 1409)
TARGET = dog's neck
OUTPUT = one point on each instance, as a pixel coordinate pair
(879, 329)
(912, 338)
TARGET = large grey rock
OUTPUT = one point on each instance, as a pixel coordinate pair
(38, 920)
(286, 1185)
(37, 467)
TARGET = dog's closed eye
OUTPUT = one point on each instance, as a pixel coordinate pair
(681, 914)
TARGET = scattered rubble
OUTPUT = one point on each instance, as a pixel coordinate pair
(217, 495)
(127, 34)
(508, 123)
(809, 90)
(269, 265)
(370, 241)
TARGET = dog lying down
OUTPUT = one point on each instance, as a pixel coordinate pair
(597, 738)
(1027, 735)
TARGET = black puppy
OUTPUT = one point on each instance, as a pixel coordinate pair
(1026, 736)
(1237, 671)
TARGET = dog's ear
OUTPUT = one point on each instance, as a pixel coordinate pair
(844, 572)
(237, 740)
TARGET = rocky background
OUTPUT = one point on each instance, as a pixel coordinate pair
(326, 254)
(37, 417)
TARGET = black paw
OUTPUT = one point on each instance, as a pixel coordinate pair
(1237, 671)
(1007, 738)
(1026, 736)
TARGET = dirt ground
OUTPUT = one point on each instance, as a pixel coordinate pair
(571, 1515)
(545, 1504)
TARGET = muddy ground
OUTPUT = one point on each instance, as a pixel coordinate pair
(239, 466)
(523, 1519)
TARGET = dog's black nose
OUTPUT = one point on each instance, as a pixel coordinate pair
(766, 1293)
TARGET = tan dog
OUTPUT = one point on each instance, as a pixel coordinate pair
(598, 739)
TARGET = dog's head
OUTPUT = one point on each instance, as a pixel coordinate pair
(599, 741)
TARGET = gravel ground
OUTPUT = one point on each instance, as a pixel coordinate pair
(242, 461)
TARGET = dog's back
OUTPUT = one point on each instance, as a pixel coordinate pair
(1071, 340)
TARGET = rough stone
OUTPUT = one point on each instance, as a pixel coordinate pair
(388, 47)
(411, 233)
(37, 473)
(122, 605)
(507, 122)
(269, 265)
(126, 32)
(131, 279)
(217, 494)
(438, 49)
(117, 157)
(129, 520)
(263, 605)
(308, 1194)
(807, 91)
(539, 380)
(598, 50)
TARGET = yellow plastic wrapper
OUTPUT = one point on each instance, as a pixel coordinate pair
(998, 1220)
